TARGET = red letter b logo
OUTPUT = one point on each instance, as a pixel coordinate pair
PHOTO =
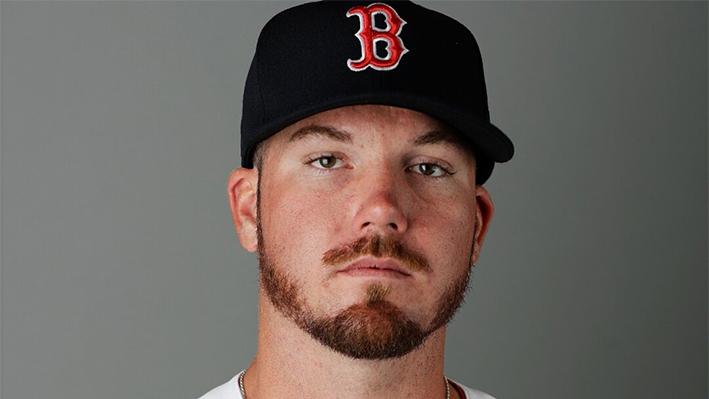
(369, 35)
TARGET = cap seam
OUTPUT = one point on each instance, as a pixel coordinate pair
(260, 90)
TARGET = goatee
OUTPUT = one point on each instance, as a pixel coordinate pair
(375, 329)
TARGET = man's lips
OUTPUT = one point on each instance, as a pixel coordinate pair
(382, 248)
(373, 266)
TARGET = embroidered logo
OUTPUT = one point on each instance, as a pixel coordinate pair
(369, 35)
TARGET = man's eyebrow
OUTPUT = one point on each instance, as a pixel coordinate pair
(444, 136)
(325, 131)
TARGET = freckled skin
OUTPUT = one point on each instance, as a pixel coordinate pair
(308, 211)
(377, 188)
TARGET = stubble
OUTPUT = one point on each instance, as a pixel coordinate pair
(374, 329)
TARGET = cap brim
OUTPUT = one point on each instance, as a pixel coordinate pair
(489, 142)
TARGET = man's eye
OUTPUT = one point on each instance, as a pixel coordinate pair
(326, 162)
(429, 169)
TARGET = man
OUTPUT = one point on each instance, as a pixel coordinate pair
(365, 143)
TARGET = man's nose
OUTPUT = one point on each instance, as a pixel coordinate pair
(382, 203)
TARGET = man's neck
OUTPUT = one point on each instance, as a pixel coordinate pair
(289, 363)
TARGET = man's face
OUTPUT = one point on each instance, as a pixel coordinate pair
(367, 227)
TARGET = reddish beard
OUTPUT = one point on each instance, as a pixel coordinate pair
(376, 329)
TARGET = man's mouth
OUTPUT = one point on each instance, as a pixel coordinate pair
(381, 252)
(374, 266)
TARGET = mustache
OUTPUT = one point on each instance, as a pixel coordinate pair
(378, 246)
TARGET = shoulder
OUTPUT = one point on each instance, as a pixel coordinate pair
(228, 390)
(472, 393)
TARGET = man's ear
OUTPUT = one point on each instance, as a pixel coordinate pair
(242, 188)
(483, 216)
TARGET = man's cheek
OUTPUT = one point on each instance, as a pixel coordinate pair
(303, 229)
(451, 238)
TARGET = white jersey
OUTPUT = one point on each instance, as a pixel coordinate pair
(230, 390)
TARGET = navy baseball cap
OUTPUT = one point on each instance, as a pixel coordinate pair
(329, 54)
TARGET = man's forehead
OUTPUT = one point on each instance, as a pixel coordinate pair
(343, 124)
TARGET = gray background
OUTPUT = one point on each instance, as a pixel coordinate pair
(122, 276)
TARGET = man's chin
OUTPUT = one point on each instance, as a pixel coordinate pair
(373, 330)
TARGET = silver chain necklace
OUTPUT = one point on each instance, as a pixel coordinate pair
(243, 392)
